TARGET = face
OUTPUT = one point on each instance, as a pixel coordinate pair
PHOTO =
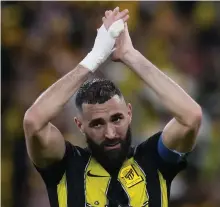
(107, 129)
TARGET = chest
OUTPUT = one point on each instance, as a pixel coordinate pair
(136, 185)
(128, 188)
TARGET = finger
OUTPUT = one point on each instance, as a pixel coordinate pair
(106, 13)
(122, 14)
(110, 12)
(126, 26)
(116, 10)
(125, 19)
(126, 30)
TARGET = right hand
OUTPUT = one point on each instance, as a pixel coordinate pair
(123, 45)
(112, 16)
(105, 39)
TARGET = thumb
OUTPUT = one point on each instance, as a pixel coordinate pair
(126, 32)
(126, 28)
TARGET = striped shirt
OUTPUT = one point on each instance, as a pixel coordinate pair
(144, 179)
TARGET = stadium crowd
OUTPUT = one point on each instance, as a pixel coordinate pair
(41, 41)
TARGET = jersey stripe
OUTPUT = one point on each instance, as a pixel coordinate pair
(134, 183)
(163, 187)
(96, 184)
(152, 180)
(62, 192)
(106, 193)
(75, 179)
(129, 199)
(85, 171)
(53, 198)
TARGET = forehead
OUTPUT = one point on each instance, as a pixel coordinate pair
(110, 107)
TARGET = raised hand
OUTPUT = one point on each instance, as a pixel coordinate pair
(123, 45)
(112, 16)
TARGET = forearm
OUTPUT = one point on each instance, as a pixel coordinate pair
(171, 95)
(52, 101)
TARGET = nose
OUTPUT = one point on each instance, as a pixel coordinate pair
(110, 132)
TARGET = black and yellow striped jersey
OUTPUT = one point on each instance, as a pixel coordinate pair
(144, 179)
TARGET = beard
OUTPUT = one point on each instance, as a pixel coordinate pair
(112, 159)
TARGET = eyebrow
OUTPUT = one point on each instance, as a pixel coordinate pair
(101, 120)
(95, 121)
(116, 115)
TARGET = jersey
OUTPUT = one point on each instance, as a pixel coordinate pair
(143, 180)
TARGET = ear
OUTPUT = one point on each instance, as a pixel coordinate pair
(129, 111)
(79, 124)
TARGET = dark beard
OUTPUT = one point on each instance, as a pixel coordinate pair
(111, 160)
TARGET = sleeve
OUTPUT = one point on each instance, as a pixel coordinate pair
(169, 165)
(53, 173)
(168, 155)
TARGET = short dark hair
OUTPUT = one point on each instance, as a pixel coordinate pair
(94, 91)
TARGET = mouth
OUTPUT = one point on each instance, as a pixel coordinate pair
(112, 146)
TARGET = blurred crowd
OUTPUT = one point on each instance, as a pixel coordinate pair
(42, 41)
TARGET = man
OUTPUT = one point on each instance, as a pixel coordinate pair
(110, 172)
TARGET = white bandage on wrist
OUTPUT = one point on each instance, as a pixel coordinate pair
(116, 28)
(104, 43)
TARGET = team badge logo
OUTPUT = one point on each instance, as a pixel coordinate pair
(130, 176)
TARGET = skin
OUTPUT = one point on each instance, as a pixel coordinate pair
(180, 132)
(107, 130)
(45, 144)
(107, 121)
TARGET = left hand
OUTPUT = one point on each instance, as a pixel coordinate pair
(112, 16)
(123, 43)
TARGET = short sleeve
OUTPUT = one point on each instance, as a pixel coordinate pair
(53, 173)
(148, 151)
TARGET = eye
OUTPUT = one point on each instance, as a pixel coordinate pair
(97, 123)
(116, 119)
(96, 126)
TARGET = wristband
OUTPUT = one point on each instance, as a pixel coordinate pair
(104, 43)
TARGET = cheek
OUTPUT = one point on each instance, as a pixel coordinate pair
(122, 131)
(96, 135)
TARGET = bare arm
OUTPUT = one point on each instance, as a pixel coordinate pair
(180, 133)
(45, 143)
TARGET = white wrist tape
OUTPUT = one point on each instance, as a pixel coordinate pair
(104, 43)
(116, 28)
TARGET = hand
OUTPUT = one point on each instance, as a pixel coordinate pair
(113, 16)
(123, 45)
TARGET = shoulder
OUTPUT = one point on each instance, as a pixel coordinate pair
(148, 146)
(73, 150)
(154, 145)
(147, 153)
(73, 155)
